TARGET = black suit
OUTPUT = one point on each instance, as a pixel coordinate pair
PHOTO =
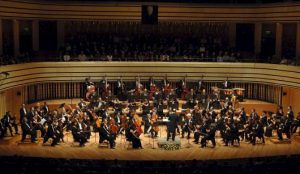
(23, 113)
(172, 125)
(45, 109)
(6, 123)
(30, 116)
(27, 129)
(105, 135)
(51, 133)
(78, 136)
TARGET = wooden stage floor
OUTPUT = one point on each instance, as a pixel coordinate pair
(10, 146)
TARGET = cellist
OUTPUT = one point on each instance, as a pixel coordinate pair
(134, 133)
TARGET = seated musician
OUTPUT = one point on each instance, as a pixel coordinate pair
(146, 107)
(133, 136)
(27, 129)
(1, 130)
(6, 121)
(258, 132)
(77, 132)
(104, 134)
(284, 127)
(187, 126)
(296, 124)
(82, 104)
(160, 108)
(147, 124)
(209, 134)
(14, 124)
(51, 133)
(200, 129)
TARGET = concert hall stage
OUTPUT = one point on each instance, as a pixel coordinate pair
(123, 151)
(188, 150)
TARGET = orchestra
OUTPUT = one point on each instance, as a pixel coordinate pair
(201, 116)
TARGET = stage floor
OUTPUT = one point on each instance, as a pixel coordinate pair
(10, 146)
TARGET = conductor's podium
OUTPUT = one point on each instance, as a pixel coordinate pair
(169, 145)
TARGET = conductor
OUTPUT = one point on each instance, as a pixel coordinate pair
(173, 119)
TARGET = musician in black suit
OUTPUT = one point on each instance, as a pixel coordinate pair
(133, 136)
(27, 129)
(6, 120)
(13, 122)
(187, 127)
(160, 109)
(51, 133)
(45, 108)
(23, 112)
(226, 84)
(77, 133)
(258, 132)
(284, 127)
(209, 134)
(30, 115)
(172, 125)
(1, 129)
(296, 124)
(104, 134)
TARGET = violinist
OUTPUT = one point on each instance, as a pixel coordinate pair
(114, 128)
(51, 133)
(209, 134)
(37, 124)
(148, 125)
(77, 133)
(187, 126)
(82, 104)
(27, 129)
(118, 119)
(105, 134)
(160, 108)
(146, 107)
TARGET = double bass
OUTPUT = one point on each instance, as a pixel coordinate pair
(90, 90)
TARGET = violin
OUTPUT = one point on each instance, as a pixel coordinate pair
(97, 121)
(113, 127)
